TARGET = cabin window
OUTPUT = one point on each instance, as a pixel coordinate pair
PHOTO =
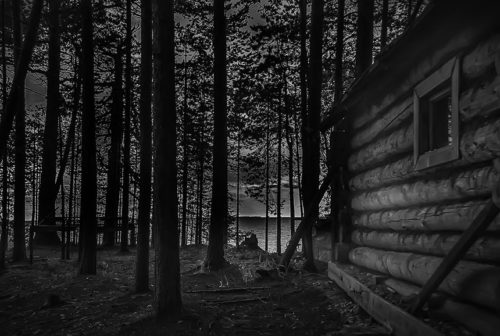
(436, 124)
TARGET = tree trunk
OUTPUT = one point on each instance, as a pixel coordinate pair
(201, 182)
(19, 250)
(88, 208)
(70, 138)
(339, 53)
(5, 213)
(297, 156)
(290, 175)
(126, 139)
(303, 94)
(289, 140)
(311, 149)
(168, 296)
(113, 175)
(4, 236)
(385, 24)
(267, 179)
(20, 75)
(49, 157)
(218, 219)
(364, 36)
(238, 163)
(278, 182)
(185, 158)
(143, 219)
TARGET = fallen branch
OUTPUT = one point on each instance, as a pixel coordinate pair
(226, 290)
(306, 221)
(260, 298)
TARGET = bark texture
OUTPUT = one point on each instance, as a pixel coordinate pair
(144, 208)
(19, 249)
(218, 218)
(47, 198)
(113, 173)
(88, 210)
(168, 296)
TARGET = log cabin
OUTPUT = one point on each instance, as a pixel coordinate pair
(415, 148)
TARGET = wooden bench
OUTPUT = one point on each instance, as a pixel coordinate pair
(64, 227)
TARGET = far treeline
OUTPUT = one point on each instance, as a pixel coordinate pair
(150, 104)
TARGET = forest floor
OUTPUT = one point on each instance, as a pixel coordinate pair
(248, 297)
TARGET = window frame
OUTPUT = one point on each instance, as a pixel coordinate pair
(425, 91)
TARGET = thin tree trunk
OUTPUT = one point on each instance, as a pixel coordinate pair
(70, 137)
(5, 212)
(267, 179)
(311, 153)
(71, 189)
(290, 167)
(385, 24)
(297, 155)
(364, 40)
(134, 204)
(88, 210)
(278, 184)
(63, 202)
(168, 298)
(19, 250)
(113, 174)
(238, 158)
(49, 152)
(218, 219)
(185, 159)
(126, 139)
(144, 215)
(4, 236)
(339, 53)
(303, 60)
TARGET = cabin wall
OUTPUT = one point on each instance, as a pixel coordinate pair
(405, 220)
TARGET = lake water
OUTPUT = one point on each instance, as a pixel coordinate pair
(257, 225)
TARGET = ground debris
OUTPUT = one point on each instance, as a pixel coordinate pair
(234, 300)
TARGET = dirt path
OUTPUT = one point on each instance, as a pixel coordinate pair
(48, 298)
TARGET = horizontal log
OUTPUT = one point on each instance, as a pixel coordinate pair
(467, 184)
(450, 217)
(478, 144)
(398, 142)
(394, 117)
(482, 100)
(403, 288)
(438, 244)
(481, 144)
(469, 281)
(479, 61)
